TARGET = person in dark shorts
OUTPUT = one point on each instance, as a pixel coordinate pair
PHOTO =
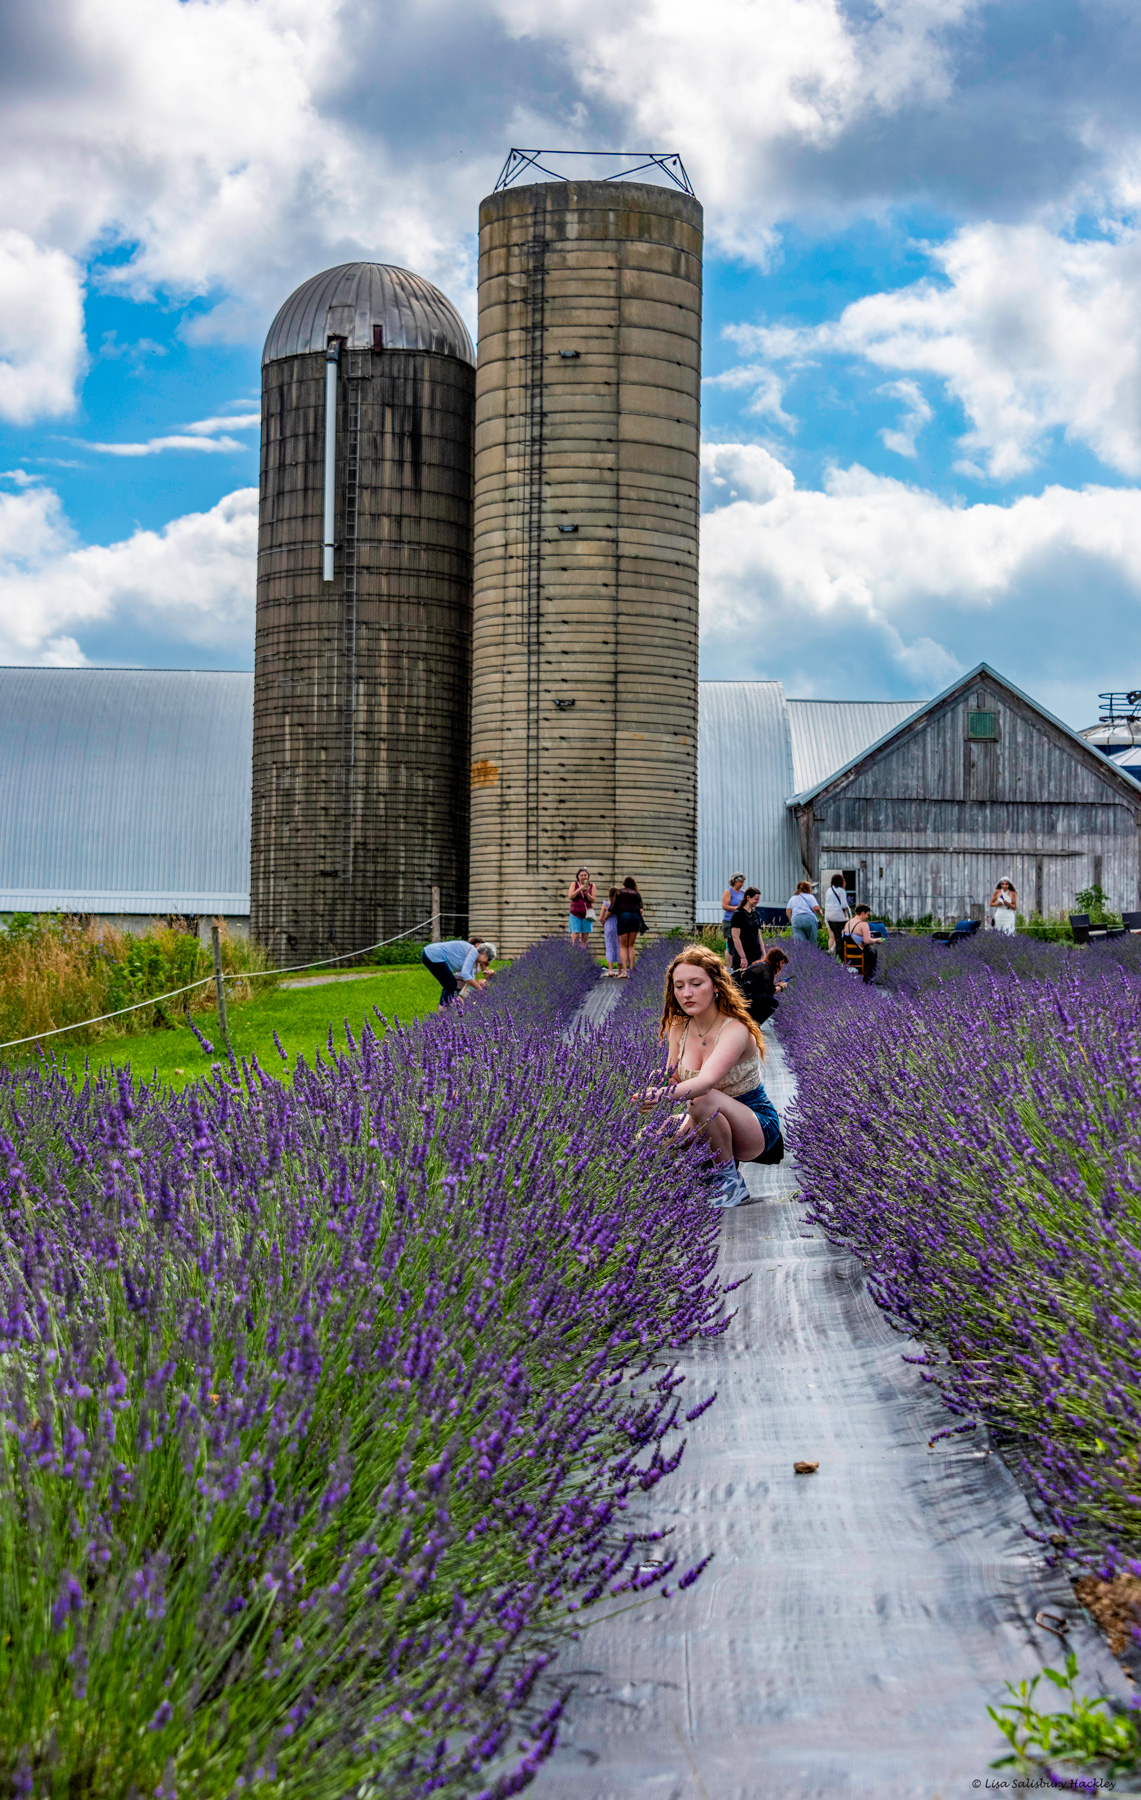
(745, 930)
(631, 920)
(457, 965)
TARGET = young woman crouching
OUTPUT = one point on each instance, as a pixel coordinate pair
(714, 1053)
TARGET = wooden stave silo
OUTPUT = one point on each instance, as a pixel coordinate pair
(361, 699)
(606, 616)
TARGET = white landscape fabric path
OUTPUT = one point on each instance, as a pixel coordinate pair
(854, 1623)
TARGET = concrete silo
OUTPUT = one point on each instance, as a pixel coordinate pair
(584, 695)
(363, 647)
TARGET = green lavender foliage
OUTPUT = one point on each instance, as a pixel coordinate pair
(1090, 1732)
(322, 1404)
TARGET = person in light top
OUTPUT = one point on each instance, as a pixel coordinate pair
(836, 910)
(458, 965)
(730, 901)
(714, 1056)
(803, 912)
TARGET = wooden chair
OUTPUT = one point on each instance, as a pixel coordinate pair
(853, 953)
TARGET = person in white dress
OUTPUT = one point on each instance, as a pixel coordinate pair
(1004, 900)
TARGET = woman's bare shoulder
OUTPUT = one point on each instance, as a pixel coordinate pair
(734, 1035)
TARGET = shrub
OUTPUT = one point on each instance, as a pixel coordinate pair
(974, 1134)
(57, 971)
(324, 1404)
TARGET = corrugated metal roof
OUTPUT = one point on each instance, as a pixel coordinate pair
(744, 776)
(125, 790)
(826, 734)
(349, 300)
(986, 672)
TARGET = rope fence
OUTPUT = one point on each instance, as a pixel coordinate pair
(234, 975)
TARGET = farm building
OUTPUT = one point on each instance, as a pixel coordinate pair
(978, 784)
(125, 793)
(923, 807)
(756, 748)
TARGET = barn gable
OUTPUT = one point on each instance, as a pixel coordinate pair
(978, 784)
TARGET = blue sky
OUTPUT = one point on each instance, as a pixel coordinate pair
(922, 411)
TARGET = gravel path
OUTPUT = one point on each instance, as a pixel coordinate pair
(855, 1623)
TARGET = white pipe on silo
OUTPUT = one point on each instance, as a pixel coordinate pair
(332, 357)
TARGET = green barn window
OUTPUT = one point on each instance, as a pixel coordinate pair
(982, 725)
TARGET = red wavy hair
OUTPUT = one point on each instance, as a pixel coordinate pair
(726, 993)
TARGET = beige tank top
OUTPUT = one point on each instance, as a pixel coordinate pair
(742, 1078)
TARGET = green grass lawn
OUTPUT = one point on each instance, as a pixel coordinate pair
(300, 1016)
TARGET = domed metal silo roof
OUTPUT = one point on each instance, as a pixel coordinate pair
(348, 301)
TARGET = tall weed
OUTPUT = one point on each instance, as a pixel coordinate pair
(58, 971)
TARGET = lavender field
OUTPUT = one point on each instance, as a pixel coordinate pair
(324, 1399)
(971, 1127)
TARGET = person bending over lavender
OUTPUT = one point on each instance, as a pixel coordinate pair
(458, 965)
(760, 985)
(714, 1053)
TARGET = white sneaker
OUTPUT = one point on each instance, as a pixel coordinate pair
(730, 1190)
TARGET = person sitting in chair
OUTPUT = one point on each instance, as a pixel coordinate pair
(858, 931)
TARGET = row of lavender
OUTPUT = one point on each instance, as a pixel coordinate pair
(973, 1130)
(323, 1401)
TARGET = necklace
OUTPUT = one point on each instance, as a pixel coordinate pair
(704, 1035)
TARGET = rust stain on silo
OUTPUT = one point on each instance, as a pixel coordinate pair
(484, 774)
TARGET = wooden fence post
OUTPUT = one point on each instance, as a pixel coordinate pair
(435, 915)
(220, 991)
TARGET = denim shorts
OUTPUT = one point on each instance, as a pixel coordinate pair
(585, 926)
(763, 1111)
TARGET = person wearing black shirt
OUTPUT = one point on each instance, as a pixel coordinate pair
(761, 987)
(628, 911)
(745, 929)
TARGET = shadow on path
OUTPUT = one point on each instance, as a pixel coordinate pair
(855, 1623)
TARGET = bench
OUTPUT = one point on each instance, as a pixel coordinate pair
(1085, 933)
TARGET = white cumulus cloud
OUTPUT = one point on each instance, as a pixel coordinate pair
(873, 587)
(191, 584)
(902, 437)
(42, 352)
(1030, 331)
(736, 83)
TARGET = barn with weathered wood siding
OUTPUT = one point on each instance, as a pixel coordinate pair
(979, 784)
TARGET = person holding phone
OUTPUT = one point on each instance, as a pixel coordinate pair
(730, 901)
(580, 897)
(1005, 903)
